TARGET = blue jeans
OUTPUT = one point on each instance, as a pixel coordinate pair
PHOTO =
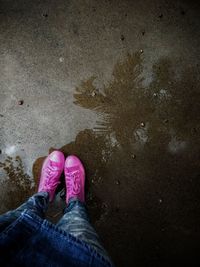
(74, 221)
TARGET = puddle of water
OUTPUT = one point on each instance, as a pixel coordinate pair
(16, 185)
(148, 190)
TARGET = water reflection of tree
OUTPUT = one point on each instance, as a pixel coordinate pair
(170, 109)
(123, 102)
(168, 104)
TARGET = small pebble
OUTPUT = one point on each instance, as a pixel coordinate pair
(194, 130)
(92, 181)
(20, 102)
(61, 59)
(117, 182)
(133, 156)
(160, 200)
(154, 94)
(90, 197)
(117, 209)
(122, 37)
(142, 124)
(93, 93)
(166, 121)
(141, 51)
(182, 12)
(104, 205)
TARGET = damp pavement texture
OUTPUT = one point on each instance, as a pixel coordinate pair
(116, 83)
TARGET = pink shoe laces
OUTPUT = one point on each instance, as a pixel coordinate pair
(73, 182)
(51, 172)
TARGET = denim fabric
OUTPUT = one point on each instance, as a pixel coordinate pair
(76, 222)
(26, 236)
(38, 203)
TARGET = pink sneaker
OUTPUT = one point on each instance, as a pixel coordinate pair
(51, 172)
(74, 179)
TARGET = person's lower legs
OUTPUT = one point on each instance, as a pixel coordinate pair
(38, 204)
(76, 222)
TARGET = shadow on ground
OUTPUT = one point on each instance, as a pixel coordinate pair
(142, 164)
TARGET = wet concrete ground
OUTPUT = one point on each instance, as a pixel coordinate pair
(117, 83)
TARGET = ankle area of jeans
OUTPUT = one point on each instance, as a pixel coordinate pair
(38, 203)
(74, 202)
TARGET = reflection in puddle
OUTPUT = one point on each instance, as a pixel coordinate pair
(123, 103)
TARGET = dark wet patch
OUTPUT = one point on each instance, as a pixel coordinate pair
(122, 37)
(20, 102)
(45, 15)
(182, 12)
(36, 169)
(152, 199)
(15, 186)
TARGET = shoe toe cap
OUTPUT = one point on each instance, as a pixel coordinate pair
(57, 156)
(72, 161)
